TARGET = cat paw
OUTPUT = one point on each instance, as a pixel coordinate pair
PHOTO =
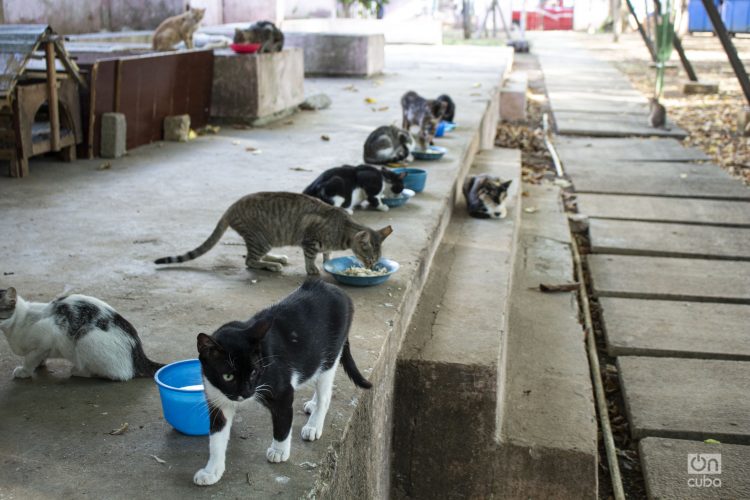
(311, 433)
(310, 406)
(313, 271)
(383, 207)
(277, 455)
(21, 372)
(350, 211)
(204, 477)
(274, 267)
(282, 259)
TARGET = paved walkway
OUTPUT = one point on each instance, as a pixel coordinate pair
(669, 265)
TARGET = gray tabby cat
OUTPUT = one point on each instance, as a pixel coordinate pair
(424, 113)
(388, 144)
(268, 220)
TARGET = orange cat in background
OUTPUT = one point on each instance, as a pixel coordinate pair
(176, 29)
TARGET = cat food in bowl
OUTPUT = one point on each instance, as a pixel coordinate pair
(245, 48)
(432, 153)
(415, 178)
(400, 200)
(182, 399)
(443, 128)
(350, 271)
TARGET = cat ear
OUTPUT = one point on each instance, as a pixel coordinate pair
(362, 237)
(506, 184)
(206, 343)
(385, 232)
(260, 328)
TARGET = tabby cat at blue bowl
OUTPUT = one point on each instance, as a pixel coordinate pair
(348, 187)
(298, 341)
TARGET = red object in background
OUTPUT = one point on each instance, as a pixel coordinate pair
(245, 48)
(548, 19)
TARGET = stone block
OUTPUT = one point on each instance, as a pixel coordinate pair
(340, 54)
(252, 87)
(692, 88)
(177, 128)
(743, 121)
(114, 134)
(513, 97)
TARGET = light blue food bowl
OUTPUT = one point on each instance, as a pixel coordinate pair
(185, 409)
(415, 178)
(337, 266)
(401, 199)
(443, 128)
(432, 153)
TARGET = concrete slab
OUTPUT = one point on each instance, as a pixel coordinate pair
(340, 54)
(664, 463)
(606, 150)
(422, 30)
(684, 180)
(167, 197)
(627, 237)
(674, 329)
(658, 209)
(252, 87)
(697, 280)
(694, 398)
(611, 125)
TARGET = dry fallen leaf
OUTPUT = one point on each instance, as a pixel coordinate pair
(530, 210)
(325, 137)
(351, 88)
(118, 432)
(104, 166)
(300, 169)
(251, 149)
(383, 108)
(158, 459)
(477, 85)
(370, 100)
(565, 287)
(192, 135)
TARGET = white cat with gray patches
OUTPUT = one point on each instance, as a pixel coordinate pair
(84, 330)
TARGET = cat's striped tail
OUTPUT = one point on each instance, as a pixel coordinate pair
(350, 367)
(207, 245)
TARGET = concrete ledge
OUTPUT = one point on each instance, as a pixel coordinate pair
(422, 31)
(251, 87)
(340, 54)
(513, 97)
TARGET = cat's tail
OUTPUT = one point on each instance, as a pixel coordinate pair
(350, 367)
(145, 366)
(207, 245)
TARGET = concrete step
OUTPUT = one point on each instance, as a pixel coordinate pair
(685, 180)
(585, 123)
(658, 209)
(602, 150)
(680, 398)
(630, 237)
(643, 277)
(636, 327)
(523, 424)
(670, 476)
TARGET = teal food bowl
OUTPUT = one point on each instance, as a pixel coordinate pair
(182, 399)
(337, 266)
(401, 199)
(443, 128)
(432, 153)
(415, 178)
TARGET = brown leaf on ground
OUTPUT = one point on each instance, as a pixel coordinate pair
(118, 432)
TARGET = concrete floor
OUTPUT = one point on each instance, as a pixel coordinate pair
(72, 228)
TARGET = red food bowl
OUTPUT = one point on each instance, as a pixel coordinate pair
(245, 48)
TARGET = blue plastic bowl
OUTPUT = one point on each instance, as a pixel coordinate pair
(415, 178)
(443, 128)
(431, 153)
(185, 409)
(337, 266)
(402, 198)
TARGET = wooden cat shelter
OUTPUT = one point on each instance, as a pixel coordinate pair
(39, 103)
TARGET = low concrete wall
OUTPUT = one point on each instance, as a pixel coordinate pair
(256, 86)
(340, 54)
(423, 31)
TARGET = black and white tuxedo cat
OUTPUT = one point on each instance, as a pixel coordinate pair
(349, 186)
(295, 342)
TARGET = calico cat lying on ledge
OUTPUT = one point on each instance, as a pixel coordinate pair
(268, 220)
(298, 341)
(485, 196)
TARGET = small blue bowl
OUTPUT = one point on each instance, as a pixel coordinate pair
(431, 154)
(337, 266)
(401, 199)
(415, 178)
(443, 128)
(185, 409)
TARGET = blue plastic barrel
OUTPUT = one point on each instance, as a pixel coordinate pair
(698, 20)
(736, 15)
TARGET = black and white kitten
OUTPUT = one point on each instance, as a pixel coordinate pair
(485, 196)
(295, 342)
(388, 144)
(450, 107)
(84, 330)
(349, 186)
